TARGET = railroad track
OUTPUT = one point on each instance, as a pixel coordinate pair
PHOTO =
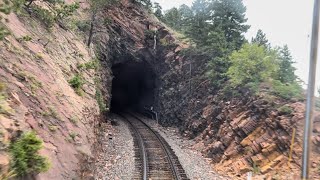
(154, 158)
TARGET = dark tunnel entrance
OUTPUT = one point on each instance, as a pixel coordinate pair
(133, 86)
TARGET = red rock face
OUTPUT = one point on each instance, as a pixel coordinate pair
(37, 90)
(237, 134)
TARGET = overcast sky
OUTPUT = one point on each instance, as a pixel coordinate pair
(283, 21)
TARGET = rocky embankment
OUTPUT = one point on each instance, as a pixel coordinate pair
(35, 67)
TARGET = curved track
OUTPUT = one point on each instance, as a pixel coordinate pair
(154, 157)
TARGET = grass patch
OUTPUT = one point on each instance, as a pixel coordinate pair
(51, 113)
(25, 157)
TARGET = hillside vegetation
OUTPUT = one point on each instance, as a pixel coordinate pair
(233, 62)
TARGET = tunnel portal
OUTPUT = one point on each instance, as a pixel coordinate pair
(133, 86)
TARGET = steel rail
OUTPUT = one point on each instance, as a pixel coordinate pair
(142, 149)
(164, 146)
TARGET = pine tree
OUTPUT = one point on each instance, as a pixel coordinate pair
(186, 16)
(158, 11)
(286, 69)
(230, 16)
(199, 27)
(173, 18)
(261, 39)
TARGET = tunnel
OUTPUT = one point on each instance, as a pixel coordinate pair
(133, 86)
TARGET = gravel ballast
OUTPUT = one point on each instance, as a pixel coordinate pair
(117, 160)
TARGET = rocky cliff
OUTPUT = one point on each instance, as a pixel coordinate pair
(35, 67)
(240, 134)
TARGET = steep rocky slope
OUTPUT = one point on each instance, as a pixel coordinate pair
(35, 74)
(236, 133)
(37, 65)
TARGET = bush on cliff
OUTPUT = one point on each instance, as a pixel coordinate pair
(251, 64)
(25, 157)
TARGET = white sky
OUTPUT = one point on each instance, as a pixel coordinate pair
(283, 21)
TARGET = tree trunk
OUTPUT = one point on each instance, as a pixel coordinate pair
(93, 17)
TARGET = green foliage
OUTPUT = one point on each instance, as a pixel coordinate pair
(76, 83)
(25, 157)
(83, 26)
(65, 10)
(251, 64)
(229, 15)
(217, 68)
(287, 91)
(45, 16)
(172, 18)
(93, 64)
(3, 32)
(207, 20)
(261, 39)
(73, 135)
(158, 11)
(100, 101)
(4, 105)
(5, 8)
(25, 38)
(286, 69)
(285, 109)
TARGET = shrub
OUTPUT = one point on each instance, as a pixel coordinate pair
(285, 109)
(287, 91)
(83, 26)
(73, 135)
(25, 38)
(76, 83)
(251, 64)
(44, 15)
(66, 10)
(93, 64)
(3, 33)
(25, 157)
